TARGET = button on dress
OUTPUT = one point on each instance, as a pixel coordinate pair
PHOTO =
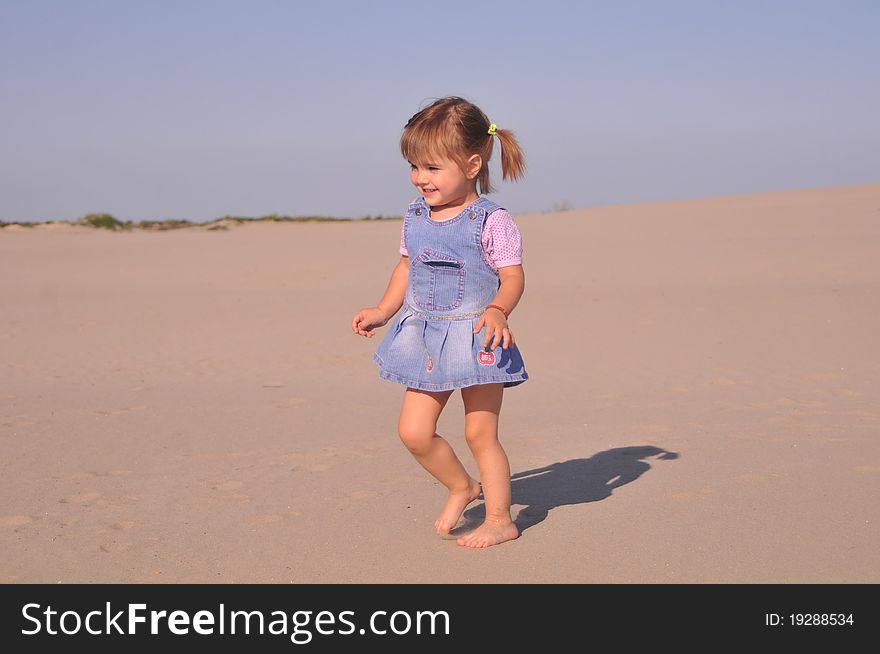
(431, 344)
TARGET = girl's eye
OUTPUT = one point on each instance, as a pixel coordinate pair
(433, 169)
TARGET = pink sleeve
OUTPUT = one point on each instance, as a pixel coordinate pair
(403, 250)
(502, 241)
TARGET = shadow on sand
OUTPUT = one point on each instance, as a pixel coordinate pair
(576, 481)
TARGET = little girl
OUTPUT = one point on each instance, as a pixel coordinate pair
(459, 277)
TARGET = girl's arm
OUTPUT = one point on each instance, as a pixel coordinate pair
(368, 318)
(396, 291)
(513, 283)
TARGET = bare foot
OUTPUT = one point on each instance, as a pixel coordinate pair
(492, 532)
(455, 506)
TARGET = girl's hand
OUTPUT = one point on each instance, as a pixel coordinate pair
(497, 330)
(367, 319)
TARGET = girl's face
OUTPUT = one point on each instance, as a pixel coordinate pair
(443, 184)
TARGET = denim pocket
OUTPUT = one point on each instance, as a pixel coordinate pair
(404, 314)
(438, 280)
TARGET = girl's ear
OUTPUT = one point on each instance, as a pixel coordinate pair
(474, 164)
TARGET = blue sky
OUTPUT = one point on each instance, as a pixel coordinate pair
(181, 109)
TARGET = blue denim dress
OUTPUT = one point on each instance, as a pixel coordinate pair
(432, 345)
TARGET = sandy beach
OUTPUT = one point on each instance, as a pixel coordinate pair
(703, 402)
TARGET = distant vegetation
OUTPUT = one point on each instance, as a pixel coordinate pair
(562, 205)
(103, 220)
(107, 221)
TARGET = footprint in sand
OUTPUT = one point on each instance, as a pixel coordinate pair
(223, 486)
(290, 402)
(124, 525)
(311, 467)
(821, 376)
(846, 392)
(91, 474)
(115, 547)
(20, 423)
(215, 456)
(265, 519)
(362, 494)
(227, 485)
(111, 412)
(85, 499)
(15, 520)
(678, 390)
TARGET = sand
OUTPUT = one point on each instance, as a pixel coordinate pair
(703, 402)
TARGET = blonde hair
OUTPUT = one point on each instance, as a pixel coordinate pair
(453, 128)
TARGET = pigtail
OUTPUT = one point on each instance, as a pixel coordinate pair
(513, 165)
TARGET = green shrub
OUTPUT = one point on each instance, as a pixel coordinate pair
(102, 220)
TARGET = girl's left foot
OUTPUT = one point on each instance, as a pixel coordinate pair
(455, 506)
(492, 532)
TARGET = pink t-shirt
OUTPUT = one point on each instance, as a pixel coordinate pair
(501, 239)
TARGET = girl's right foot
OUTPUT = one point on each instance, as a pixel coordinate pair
(492, 532)
(455, 506)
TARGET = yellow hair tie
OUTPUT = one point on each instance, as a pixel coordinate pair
(492, 129)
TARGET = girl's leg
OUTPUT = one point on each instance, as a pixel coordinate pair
(417, 428)
(482, 404)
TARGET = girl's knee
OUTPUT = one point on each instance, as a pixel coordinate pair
(480, 436)
(417, 438)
